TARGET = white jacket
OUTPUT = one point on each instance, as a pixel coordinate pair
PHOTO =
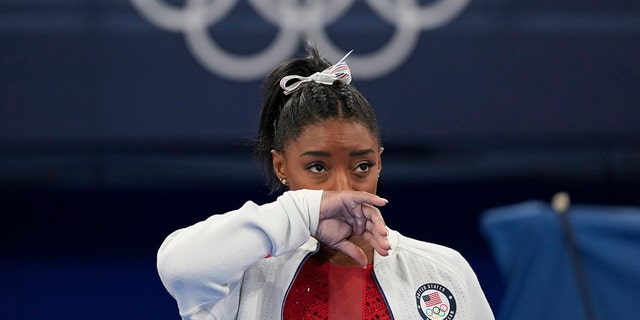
(216, 269)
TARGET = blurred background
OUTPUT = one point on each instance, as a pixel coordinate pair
(121, 121)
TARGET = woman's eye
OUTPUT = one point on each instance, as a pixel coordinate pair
(316, 168)
(364, 167)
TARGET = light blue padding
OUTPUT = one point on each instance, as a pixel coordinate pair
(533, 259)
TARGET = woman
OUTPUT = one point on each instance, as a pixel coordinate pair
(322, 249)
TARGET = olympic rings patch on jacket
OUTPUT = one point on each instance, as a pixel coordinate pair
(435, 301)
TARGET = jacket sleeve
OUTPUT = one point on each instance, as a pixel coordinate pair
(202, 264)
(479, 307)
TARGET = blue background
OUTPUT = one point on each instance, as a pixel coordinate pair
(112, 135)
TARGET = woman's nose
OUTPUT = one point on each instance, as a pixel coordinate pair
(341, 181)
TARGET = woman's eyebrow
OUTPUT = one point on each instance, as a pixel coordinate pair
(319, 153)
(359, 153)
(315, 153)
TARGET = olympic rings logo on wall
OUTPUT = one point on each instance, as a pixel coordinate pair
(297, 21)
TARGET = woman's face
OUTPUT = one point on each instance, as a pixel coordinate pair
(331, 155)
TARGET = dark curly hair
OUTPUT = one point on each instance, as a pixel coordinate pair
(284, 117)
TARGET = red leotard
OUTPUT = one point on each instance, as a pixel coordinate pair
(326, 291)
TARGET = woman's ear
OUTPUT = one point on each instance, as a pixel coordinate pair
(380, 160)
(278, 164)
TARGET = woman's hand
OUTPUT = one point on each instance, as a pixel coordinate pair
(346, 213)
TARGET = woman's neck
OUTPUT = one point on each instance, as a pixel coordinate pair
(338, 258)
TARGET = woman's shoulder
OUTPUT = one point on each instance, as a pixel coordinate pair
(424, 250)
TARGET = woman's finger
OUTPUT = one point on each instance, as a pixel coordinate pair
(375, 221)
(380, 243)
(341, 203)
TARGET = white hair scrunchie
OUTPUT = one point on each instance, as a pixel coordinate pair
(337, 72)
